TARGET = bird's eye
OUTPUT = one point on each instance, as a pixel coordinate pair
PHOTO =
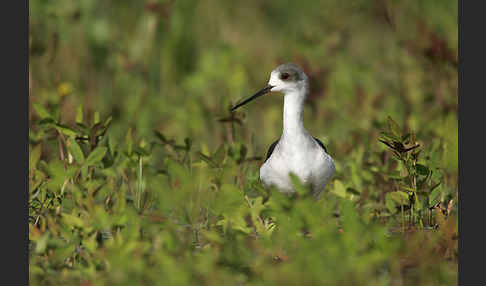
(284, 76)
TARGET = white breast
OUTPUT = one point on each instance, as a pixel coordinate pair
(307, 160)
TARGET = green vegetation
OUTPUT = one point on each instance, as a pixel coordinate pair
(140, 175)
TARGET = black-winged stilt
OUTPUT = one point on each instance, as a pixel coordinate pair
(296, 151)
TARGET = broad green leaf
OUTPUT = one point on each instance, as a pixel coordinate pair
(65, 130)
(95, 156)
(75, 150)
(339, 189)
(55, 168)
(41, 111)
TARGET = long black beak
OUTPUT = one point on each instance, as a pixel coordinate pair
(267, 89)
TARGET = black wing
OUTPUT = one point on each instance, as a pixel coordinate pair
(270, 150)
(320, 144)
(272, 147)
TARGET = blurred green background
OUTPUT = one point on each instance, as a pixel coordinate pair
(176, 67)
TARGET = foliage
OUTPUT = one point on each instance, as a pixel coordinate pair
(140, 175)
(419, 189)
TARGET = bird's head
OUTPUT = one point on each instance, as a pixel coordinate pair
(286, 78)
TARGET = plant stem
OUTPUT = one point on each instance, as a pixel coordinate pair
(139, 191)
(403, 219)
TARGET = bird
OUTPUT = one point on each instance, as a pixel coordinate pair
(296, 151)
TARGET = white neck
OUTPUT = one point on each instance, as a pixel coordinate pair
(293, 114)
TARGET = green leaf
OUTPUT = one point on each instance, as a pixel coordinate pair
(65, 130)
(434, 197)
(399, 197)
(420, 202)
(212, 236)
(72, 220)
(434, 186)
(387, 137)
(299, 186)
(41, 243)
(96, 130)
(339, 189)
(208, 160)
(79, 114)
(141, 151)
(227, 200)
(405, 137)
(390, 204)
(160, 136)
(75, 150)
(34, 156)
(108, 121)
(82, 129)
(90, 243)
(422, 170)
(353, 191)
(96, 118)
(112, 144)
(409, 189)
(394, 128)
(95, 156)
(41, 111)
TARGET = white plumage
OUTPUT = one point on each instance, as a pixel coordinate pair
(296, 151)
